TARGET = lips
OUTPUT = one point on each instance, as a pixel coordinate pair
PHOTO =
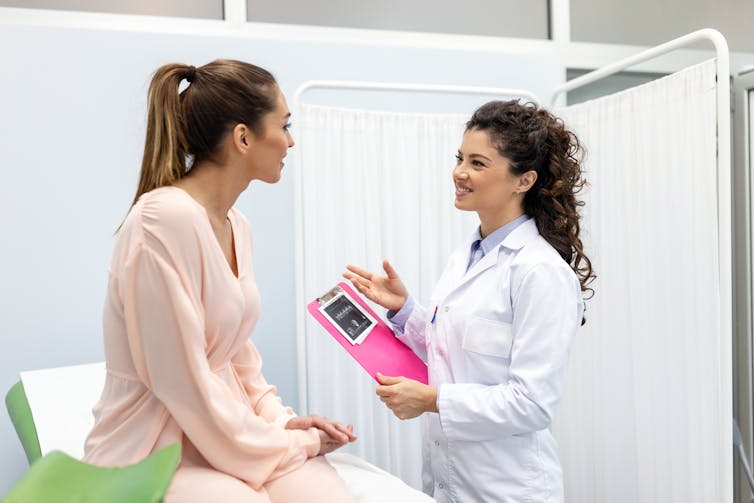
(462, 190)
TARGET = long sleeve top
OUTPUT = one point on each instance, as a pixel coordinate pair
(180, 364)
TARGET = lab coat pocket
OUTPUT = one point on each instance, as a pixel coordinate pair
(488, 337)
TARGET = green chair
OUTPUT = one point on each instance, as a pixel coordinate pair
(23, 422)
(60, 478)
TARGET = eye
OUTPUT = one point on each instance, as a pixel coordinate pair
(459, 159)
(287, 126)
(478, 164)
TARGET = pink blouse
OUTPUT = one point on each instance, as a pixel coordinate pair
(180, 365)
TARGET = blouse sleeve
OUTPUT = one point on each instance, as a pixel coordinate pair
(263, 397)
(164, 322)
(247, 362)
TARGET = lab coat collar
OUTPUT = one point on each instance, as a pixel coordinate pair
(521, 235)
(516, 240)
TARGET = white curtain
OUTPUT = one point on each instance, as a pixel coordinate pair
(374, 185)
(646, 416)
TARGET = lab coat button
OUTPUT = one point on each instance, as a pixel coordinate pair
(437, 442)
(441, 485)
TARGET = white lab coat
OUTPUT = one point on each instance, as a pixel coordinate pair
(497, 351)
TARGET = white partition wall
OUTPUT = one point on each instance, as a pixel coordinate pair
(743, 107)
(647, 417)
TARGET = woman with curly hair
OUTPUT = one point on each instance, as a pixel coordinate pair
(497, 333)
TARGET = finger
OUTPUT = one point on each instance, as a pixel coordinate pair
(384, 391)
(347, 431)
(388, 380)
(351, 277)
(332, 430)
(391, 273)
(361, 285)
(340, 432)
(360, 282)
(360, 272)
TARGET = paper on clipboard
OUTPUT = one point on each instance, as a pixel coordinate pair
(378, 350)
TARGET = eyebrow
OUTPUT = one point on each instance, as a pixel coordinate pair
(476, 155)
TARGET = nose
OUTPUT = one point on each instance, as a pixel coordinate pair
(459, 172)
(291, 142)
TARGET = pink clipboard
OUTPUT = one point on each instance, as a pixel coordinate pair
(380, 351)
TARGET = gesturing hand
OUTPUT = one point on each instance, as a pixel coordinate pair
(387, 291)
(405, 397)
(332, 434)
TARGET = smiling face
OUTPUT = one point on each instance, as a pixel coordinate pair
(271, 146)
(484, 182)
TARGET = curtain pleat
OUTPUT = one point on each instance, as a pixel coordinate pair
(643, 418)
(375, 185)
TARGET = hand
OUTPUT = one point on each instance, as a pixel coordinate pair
(327, 444)
(387, 291)
(332, 434)
(405, 397)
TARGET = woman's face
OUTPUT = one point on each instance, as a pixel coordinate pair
(483, 180)
(272, 145)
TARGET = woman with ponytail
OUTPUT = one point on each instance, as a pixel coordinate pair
(500, 321)
(182, 303)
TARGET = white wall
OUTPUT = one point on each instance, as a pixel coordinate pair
(71, 133)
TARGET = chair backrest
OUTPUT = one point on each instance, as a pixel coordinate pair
(21, 417)
(51, 409)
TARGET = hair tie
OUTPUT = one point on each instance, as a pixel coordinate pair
(191, 73)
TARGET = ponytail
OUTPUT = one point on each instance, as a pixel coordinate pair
(165, 148)
(193, 122)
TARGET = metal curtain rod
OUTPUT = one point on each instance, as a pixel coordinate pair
(416, 88)
(707, 34)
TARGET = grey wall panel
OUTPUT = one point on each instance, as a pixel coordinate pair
(652, 22)
(205, 9)
(509, 18)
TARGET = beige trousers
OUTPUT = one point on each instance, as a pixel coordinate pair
(314, 482)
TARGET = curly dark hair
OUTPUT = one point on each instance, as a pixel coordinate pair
(531, 138)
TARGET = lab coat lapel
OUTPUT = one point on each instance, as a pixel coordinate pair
(455, 270)
(516, 240)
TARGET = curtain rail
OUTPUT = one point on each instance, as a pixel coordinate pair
(419, 88)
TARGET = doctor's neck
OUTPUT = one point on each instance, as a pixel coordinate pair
(490, 223)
